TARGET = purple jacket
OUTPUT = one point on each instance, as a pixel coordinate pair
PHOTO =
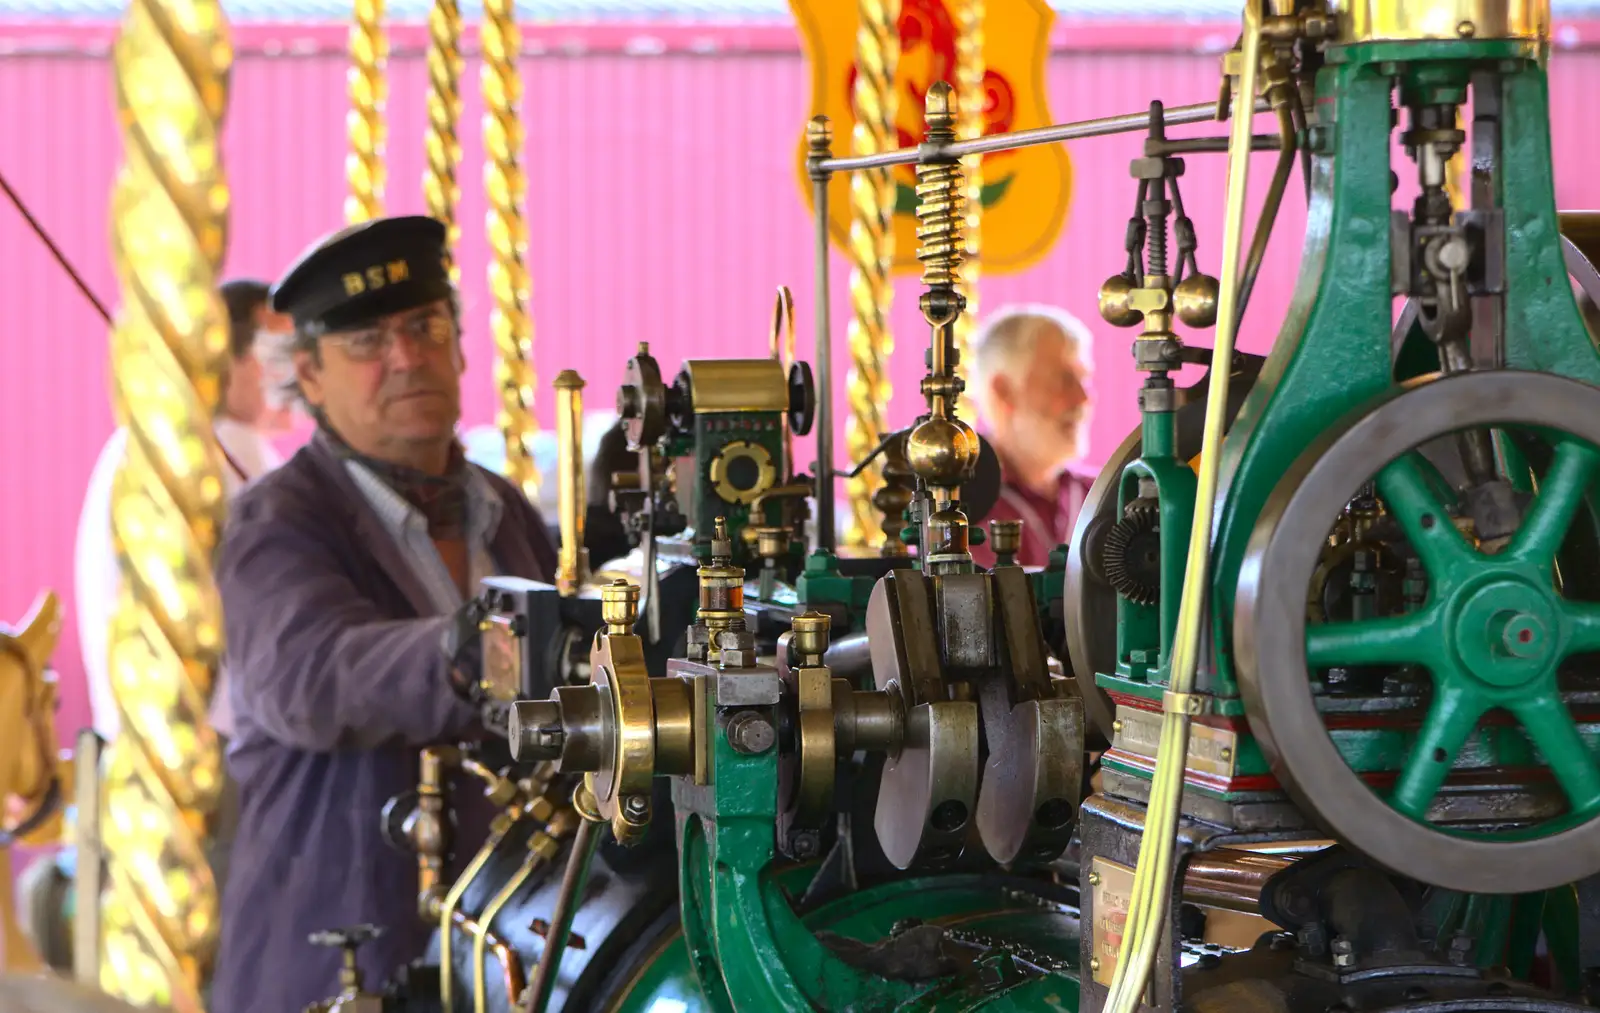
(337, 679)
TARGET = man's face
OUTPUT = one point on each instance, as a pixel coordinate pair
(391, 385)
(247, 397)
(1051, 405)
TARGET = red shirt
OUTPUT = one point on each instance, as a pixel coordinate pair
(1046, 522)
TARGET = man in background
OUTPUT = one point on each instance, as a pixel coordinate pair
(250, 414)
(1030, 380)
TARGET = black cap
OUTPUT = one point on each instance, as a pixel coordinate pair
(364, 272)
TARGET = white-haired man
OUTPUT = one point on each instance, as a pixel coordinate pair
(1030, 379)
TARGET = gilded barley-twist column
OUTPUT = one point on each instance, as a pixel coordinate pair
(871, 256)
(971, 100)
(509, 320)
(169, 211)
(369, 65)
(441, 142)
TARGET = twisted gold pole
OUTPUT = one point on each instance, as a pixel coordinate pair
(169, 211)
(971, 100)
(871, 256)
(507, 186)
(441, 142)
(363, 167)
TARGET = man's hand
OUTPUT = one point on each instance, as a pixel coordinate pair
(463, 647)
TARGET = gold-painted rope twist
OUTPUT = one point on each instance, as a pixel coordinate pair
(871, 257)
(169, 346)
(971, 101)
(442, 143)
(369, 59)
(506, 184)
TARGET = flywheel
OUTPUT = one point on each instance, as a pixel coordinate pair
(1495, 635)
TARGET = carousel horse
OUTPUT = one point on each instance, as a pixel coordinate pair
(31, 771)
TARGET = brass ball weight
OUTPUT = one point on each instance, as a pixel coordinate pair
(1116, 297)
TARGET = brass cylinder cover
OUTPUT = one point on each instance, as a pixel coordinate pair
(1412, 20)
(737, 385)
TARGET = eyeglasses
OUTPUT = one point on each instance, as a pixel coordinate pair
(427, 330)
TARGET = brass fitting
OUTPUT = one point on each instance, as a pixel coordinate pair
(619, 606)
(721, 591)
(1005, 538)
(573, 563)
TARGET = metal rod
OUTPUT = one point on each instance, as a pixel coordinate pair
(87, 876)
(1121, 124)
(820, 137)
(555, 939)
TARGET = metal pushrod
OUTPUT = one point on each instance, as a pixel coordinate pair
(1124, 123)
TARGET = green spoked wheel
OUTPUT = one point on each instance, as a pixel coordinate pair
(1493, 633)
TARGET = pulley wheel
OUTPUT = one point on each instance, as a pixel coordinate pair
(802, 398)
(642, 401)
(1491, 634)
(1091, 601)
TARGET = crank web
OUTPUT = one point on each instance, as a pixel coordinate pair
(1492, 632)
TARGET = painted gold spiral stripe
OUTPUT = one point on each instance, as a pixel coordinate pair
(871, 257)
(442, 143)
(169, 212)
(369, 60)
(509, 321)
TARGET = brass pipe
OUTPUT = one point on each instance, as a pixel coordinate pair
(783, 321)
(793, 489)
(510, 963)
(363, 167)
(510, 324)
(429, 833)
(442, 142)
(448, 912)
(970, 101)
(543, 847)
(169, 349)
(572, 569)
(871, 250)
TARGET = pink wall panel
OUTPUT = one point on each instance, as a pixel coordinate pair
(663, 206)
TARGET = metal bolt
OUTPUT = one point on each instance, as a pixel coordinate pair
(1460, 949)
(1343, 953)
(751, 733)
(636, 809)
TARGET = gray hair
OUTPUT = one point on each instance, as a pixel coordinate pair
(1004, 345)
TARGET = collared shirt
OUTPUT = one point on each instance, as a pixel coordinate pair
(406, 525)
(1046, 521)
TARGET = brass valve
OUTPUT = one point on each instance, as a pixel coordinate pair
(351, 998)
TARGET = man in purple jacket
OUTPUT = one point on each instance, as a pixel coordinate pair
(347, 578)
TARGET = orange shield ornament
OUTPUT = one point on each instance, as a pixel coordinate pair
(1025, 191)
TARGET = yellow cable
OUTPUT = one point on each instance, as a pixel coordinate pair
(1153, 878)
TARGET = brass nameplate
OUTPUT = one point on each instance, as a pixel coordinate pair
(1211, 750)
(1113, 886)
